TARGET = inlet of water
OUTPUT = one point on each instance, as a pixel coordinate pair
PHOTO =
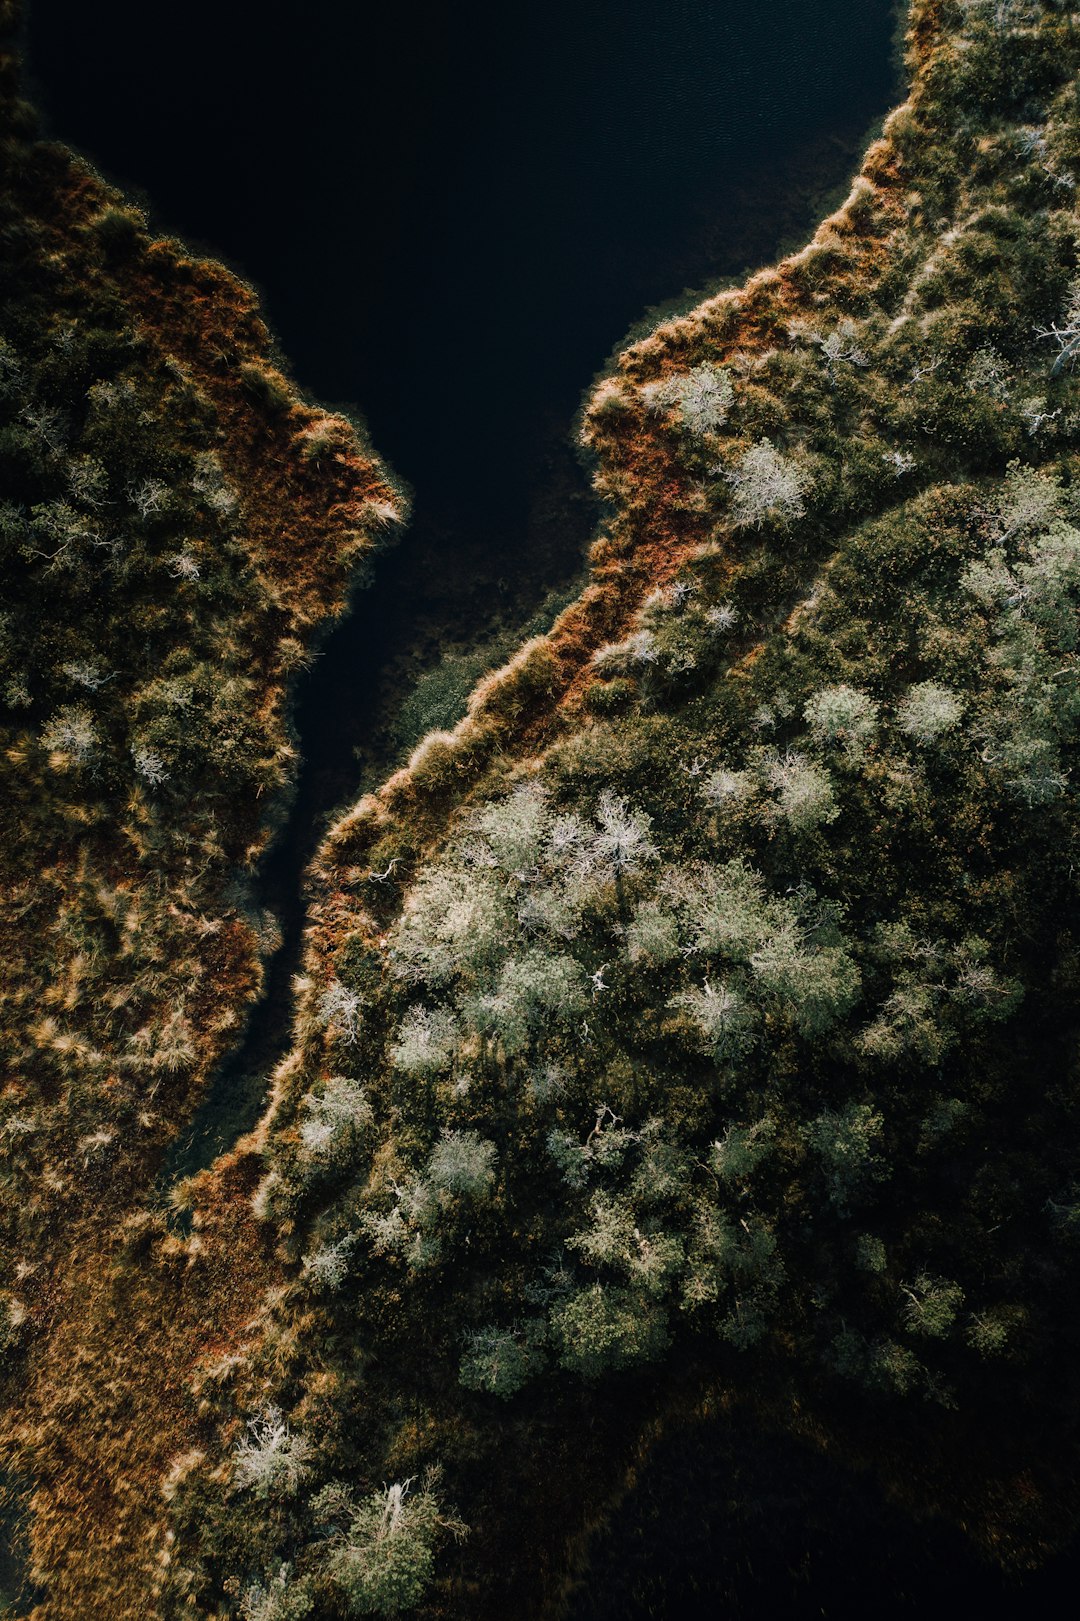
(454, 214)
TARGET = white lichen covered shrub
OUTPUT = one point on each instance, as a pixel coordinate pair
(929, 711)
(462, 1162)
(487, 931)
(767, 486)
(271, 1458)
(701, 399)
(339, 1011)
(279, 1598)
(843, 717)
(71, 736)
(337, 1117)
(804, 791)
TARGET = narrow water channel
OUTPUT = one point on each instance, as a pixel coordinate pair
(454, 214)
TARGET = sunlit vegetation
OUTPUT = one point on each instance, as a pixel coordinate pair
(694, 1022)
(700, 1013)
(175, 526)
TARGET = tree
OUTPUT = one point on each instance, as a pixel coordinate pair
(328, 1266)
(819, 983)
(622, 844)
(846, 1142)
(499, 1361)
(382, 1562)
(616, 1239)
(737, 1154)
(931, 1306)
(601, 1330)
(533, 989)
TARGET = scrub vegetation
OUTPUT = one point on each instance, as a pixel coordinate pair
(695, 1024)
(175, 527)
(712, 986)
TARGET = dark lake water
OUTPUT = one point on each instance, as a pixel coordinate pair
(455, 210)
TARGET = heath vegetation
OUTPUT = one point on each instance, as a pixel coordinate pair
(695, 1021)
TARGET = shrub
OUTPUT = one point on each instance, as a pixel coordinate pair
(805, 791)
(929, 711)
(339, 1012)
(702, 398)
(843, 716)
(271, 1458)
(461, 1162)
(721, 1015)
(337, 1116)
(12, 1324)
(427, 1041)
(767, 485)
(281, 1599)
(71, 737)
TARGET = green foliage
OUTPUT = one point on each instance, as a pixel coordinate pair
(602, 1330)
(499, 1361)
(381, 1561)
(846, 1144)
(931, 1306)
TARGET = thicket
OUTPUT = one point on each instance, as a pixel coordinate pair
(732, 1038)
